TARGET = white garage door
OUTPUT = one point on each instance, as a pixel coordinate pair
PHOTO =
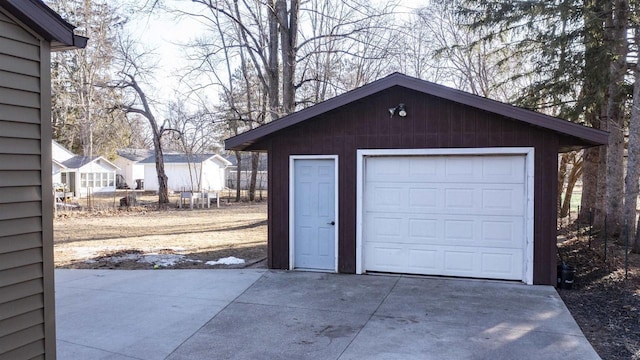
(445, 215)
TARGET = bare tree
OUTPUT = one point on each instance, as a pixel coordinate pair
(468, 58)
(81, 104)
(134, 72)
(271, 58)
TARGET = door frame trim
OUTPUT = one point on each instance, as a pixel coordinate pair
(529, 154)
(292, 240)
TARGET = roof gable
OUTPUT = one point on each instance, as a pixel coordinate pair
(134, 154)
(79, 161)
(59, 152)
(587, 136)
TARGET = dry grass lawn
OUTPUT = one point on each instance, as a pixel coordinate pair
(172, 238)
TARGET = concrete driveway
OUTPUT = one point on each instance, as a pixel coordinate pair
(258, 314)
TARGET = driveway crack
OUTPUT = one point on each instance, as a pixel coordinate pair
(370, 316)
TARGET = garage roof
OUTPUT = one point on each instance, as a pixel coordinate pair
(587, 136)
(46, 22)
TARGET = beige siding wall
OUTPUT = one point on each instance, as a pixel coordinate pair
(25, 312)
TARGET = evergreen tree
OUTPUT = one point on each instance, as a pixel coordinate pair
(573, 46)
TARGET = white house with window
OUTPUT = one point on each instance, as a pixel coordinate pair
(187, 172)
(81, 174)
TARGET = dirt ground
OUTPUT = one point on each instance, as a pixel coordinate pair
(142, 238)
(603, 302)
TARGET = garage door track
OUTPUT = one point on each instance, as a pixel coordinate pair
(305, 315)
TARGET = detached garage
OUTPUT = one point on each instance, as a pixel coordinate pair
(407, 176)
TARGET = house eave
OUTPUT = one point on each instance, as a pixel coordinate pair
(46, 23)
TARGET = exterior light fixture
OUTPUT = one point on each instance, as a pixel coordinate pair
(401, 110)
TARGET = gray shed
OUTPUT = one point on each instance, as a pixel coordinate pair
(29, 31)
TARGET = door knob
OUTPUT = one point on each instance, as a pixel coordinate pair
(331, 223)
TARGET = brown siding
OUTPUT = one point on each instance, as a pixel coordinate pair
(25, 303)
(432, 123)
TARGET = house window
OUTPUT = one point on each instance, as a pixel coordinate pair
(97, 179)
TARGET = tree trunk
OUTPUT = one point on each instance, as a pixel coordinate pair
(596, 71)
(615, 119)
(601, 189)
(255, 157)
(238, 174)
(589, 182)
(288, 22)
(163, 191)
(594, 158)
(273, 67)
(633, 162)
(562, 175)
(573, 177)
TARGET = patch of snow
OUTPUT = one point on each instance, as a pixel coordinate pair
(174, 248)
(87, 252)
(231, 260)
(153, 258)
(163, 260)
(126, 257)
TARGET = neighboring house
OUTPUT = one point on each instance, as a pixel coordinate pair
(29, 31)
(407, 176)
(199, 172)
(245, 171)
(82, 174)
(128, 160)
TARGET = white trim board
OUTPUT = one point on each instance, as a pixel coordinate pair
(292, 159)
(528, 152)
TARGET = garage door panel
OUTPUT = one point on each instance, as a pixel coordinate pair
(439, 229)
(424, 260)
(456, 198)
(503, 169)
(445, 215)
(423, 197)
(387, 256)
(424, 230)
(459, 261)
(446, 198)
(452, 261)
(501, 265)
(506, 200)
(462, 169)
(386, 197)
(460, 231)
(428, 167)
(502, 233)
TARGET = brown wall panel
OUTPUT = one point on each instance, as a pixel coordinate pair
(431, 123)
